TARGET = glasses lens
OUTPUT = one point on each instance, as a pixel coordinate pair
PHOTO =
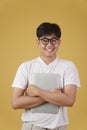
(44, 41)
(54, 41)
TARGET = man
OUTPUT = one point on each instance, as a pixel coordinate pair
(46, 85)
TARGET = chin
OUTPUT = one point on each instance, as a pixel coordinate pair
(49, 55)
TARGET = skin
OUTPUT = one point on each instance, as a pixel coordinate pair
(35, 96)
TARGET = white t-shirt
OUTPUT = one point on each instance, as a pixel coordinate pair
(69, 75)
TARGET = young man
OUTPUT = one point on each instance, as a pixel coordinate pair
(46, 85)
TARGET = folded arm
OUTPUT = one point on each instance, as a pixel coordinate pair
(57, 97)
(20, 101)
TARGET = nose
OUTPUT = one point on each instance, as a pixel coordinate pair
(49, 43)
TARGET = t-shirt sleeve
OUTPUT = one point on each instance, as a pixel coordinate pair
(21, 77)
(71, 75)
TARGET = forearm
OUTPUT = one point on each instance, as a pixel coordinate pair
(25, 102)
(66, 98)
(59, 99)
(55, 96)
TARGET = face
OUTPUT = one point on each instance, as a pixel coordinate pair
(48, 46)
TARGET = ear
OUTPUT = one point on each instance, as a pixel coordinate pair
(37, 41)
(59, 41)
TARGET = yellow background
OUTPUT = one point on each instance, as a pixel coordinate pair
(18, 22)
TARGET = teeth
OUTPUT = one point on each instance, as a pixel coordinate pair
(49, 50)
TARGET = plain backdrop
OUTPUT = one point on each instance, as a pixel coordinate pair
(18, 22)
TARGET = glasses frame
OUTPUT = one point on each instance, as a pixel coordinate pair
(53, 41)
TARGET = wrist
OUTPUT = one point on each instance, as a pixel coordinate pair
(42, 93)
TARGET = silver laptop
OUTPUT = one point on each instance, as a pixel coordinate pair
(46, 82)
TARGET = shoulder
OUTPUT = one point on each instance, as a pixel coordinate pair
(65, 62)
(27, 64)
(66, 65)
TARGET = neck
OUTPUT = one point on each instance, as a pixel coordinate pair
(48, 60)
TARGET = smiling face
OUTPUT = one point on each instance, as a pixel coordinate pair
(48, 45)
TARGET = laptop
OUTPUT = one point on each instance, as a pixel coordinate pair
(46, 82)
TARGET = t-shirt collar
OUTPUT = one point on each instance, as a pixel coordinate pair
(41, 60)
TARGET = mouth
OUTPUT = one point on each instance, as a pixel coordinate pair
(49, 50)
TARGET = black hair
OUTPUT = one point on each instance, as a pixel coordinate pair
(48, 29)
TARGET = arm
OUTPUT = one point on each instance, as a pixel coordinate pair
(62, 99)
(66, 98)
(20, 101)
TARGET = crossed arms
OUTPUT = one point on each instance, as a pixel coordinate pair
(36, 96)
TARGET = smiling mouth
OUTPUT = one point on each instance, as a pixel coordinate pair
(49, 50)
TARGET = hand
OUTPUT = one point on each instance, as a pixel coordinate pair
(32, 90)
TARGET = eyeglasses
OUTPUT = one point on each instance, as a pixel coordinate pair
(45, 41)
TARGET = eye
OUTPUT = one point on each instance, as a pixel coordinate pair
(54, 40)
(44, 40)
